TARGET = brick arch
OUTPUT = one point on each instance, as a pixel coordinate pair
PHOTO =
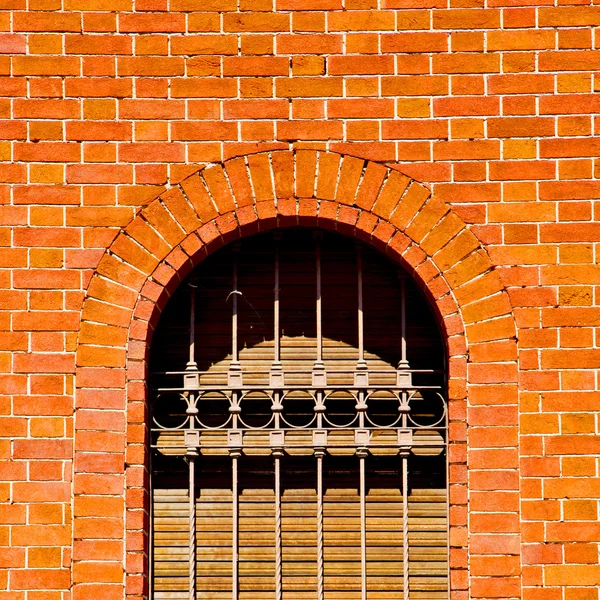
(246, 195)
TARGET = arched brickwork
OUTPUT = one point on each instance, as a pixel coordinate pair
(254, 193)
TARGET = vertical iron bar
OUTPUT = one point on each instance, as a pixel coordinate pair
(403, 361)
(192, 526)
(234, 318)
(278, 550)
(234, 527)
(320, 541)
(276, 378)
(363, 527)
(191, 378)
(361, 436)
(191, 383)
(277, 347)
(404, 453)
(404, 374)
(447, 462)
(151, 526)
(361, 337)
(192, 343)
(319, 307)
(235, 369)
(235, 451)
(319, 376)
(361, 376)
(405, 545)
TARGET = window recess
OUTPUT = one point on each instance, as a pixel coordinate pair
(299, 428)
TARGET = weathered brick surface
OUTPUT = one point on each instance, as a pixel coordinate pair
(458, 137)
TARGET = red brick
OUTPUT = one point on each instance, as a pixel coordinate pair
(466, 106)
(577, 104)
(571, 61)
(204, 44)
(42, 449)
(371, 20)
(390, 195)
(415, 129)
(414, 86)
(255, 109)
(255, 22)
(495, 587)
(309, 44)
(147, 23)
(306, 130)
(98, 44)
(197, 194)
(151, 109)
(218, 187)
(522, 83)
(34, 65)
(98, 131)
(283, 174)
(465, 63)
(203, 88)
(44, 363)
(360, 109)
(97, 550)
(41, 579)
(246, 66)
(414, 42)
(308, 87)
(567, 16)
(309, 4)
(467, 19)
(521, 40)
(260, 173)
(486, 116)
(361, 65)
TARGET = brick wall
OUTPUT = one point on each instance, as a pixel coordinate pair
(110, 107)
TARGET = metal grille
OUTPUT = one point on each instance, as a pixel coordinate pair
(303, 431)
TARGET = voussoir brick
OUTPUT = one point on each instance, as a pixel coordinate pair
(327, 176)
(177, 204)
(350, 174)
(160, 219)
(239, 179)
(370, 185)
(391, 194)
(306, 166)
(283, 173)
(261, 175)
(218, 186)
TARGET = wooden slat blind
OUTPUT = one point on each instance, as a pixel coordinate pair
(427, 535)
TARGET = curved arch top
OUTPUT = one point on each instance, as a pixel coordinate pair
(239, 197)
(254, 193)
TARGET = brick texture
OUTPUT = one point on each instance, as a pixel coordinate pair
(457, 137)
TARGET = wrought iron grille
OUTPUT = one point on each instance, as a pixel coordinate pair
(350, 411)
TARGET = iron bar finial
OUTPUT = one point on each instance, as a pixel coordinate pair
(276, 376)
(404, 374)
(235, 367)
(319, 375)
(361, 375)
(191, 379)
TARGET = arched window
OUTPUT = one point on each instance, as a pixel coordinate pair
(299, 428)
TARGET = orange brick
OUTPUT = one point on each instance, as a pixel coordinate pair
(488, 116)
